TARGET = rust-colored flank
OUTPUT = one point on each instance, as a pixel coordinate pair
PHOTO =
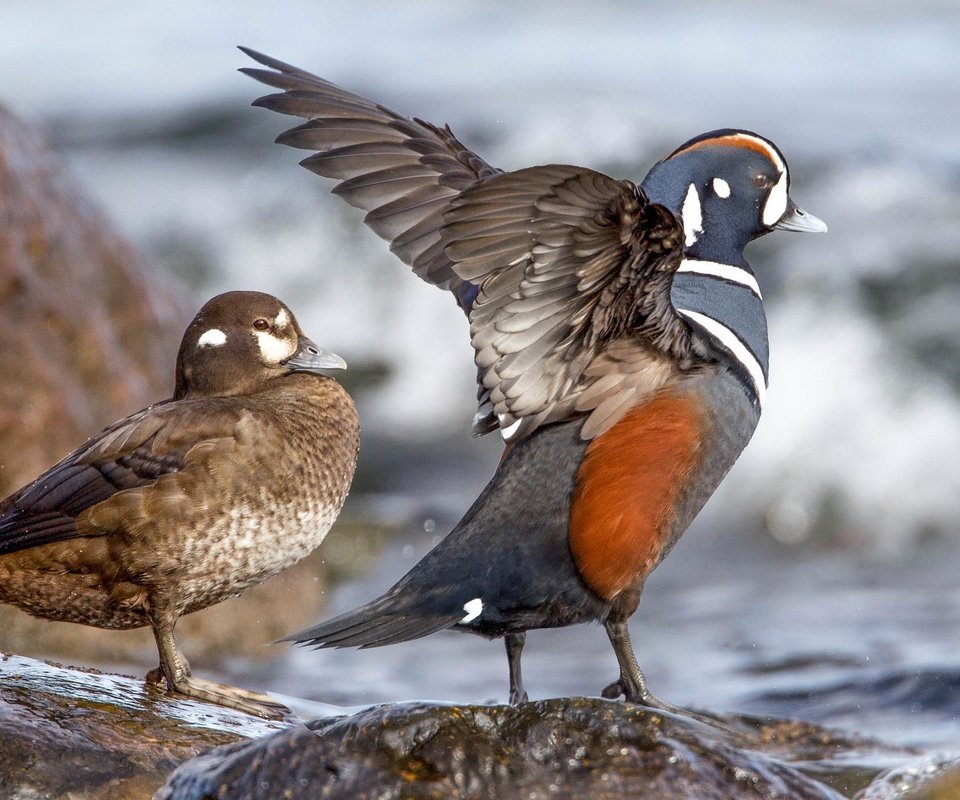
(627, 490)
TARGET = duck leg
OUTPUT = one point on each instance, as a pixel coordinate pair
(174, 671)
(632, 685)
(514, 643)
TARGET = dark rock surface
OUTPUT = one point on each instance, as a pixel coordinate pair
(85, 735)
(68, 734)
(564, 748)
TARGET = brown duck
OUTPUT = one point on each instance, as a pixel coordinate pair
(192, 500)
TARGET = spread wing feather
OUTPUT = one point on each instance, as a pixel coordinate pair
(403, 172)
(567, 262)
(551, 264)
(132, 453)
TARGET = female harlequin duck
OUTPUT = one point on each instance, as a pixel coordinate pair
(621, 345)
(196, 498)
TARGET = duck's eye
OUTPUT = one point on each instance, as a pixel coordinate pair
(261, 324)
(762, 181)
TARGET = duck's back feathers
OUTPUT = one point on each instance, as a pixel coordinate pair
(131, 454)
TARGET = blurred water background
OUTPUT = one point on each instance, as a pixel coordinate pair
(821, 581)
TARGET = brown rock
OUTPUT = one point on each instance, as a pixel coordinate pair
(564, 748)
(88, 336)
(83, 735)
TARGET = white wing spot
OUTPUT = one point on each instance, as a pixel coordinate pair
(692, 215)
(212, 338)
(507, 432)
(721, 187)
(473, 608)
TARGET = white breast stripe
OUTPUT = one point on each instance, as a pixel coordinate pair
(738, 349)
(719, 270)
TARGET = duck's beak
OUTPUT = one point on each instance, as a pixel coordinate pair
(310, 358)
(796, 219)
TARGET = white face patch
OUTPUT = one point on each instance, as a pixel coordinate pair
(473, 608)
(721, 187)
(212, 338)
(283, 319)
(273, 349)
(692, 215)
(776, 205)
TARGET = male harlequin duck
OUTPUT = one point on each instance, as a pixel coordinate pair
(621, 344)
(194, 499)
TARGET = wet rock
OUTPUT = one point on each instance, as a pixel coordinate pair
(84, 735)
(932, 777)
(564, 748)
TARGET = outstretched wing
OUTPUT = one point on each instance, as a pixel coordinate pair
(403, 172)
(568, 259)
(129, 454)
(573, 314)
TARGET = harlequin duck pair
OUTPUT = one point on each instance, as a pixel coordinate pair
(621, 349)
(190, 501)
(621, 346)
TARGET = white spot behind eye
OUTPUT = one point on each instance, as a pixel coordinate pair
(776, 204)
(212, 338)
(273, 348)
(721, 187)
(473, 608)
(692, 215)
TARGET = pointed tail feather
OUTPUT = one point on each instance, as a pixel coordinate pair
(373, 625)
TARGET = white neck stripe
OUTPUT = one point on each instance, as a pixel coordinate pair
(732, 342)
(718, 269)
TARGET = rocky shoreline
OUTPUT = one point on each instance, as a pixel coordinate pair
(71, 734)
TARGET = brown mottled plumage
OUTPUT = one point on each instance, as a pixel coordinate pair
(192, 500)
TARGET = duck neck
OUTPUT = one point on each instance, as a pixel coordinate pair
(724, 307)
